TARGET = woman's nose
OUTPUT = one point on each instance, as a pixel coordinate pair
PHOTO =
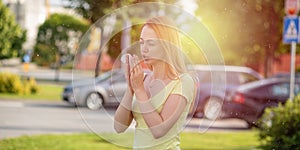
(144, 48)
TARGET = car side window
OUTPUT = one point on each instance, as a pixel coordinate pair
(284, 89)
(246, 78)
(232, 78)
(280, 89)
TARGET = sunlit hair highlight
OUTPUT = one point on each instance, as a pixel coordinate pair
(167, 33)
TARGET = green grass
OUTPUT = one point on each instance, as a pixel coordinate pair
(49, 92)
(220, 140)
(189, 141)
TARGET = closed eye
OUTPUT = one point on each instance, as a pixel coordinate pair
(151, 42)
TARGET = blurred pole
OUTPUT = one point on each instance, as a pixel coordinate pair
(26, 59)
(47, 8)
(292, 80)
(26, 69)
(106, 31)
(126, 37)
(57, 67)
(18, 12)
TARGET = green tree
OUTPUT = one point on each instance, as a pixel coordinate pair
(265, 30)
(11, 35)
(249, 32)
(92, 9)
(95, 9)
(57, 39)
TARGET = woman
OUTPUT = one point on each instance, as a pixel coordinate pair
(160, 101)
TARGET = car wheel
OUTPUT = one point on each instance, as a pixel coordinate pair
(94, 101)
(212, 108)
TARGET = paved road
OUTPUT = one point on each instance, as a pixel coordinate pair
(27, 118)
(47, 74)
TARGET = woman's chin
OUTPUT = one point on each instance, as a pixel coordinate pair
(151, 61)
(147, 61)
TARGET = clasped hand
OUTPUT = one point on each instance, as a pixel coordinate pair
(134, 73)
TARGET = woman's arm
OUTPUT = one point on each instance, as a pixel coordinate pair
(123, 116)
(161, 123)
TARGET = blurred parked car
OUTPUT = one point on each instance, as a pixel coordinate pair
(285, 75)
(250, 100)
(215, 84)
(106, 89)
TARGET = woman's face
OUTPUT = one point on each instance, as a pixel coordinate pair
(151, 48)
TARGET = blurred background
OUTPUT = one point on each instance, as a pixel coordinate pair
(56, 51)
(249, 33)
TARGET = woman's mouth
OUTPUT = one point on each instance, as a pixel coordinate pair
(145, 57)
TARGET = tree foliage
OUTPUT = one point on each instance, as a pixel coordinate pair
(57, 39)
(12, 83)
(92, 9)
(95, 9)
(11, 35)
(245, 29)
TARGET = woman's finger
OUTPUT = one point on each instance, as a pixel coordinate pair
(133, 79)
(135, 65)
(139, 66)
(127, 67)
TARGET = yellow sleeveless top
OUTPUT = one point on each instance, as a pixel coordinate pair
(143, 138)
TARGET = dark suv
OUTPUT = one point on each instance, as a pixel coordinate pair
(216, 82)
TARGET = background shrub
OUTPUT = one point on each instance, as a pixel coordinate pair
(280, 126)
(31, 85)
(12, 83)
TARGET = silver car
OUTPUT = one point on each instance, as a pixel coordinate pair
(106, 89)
